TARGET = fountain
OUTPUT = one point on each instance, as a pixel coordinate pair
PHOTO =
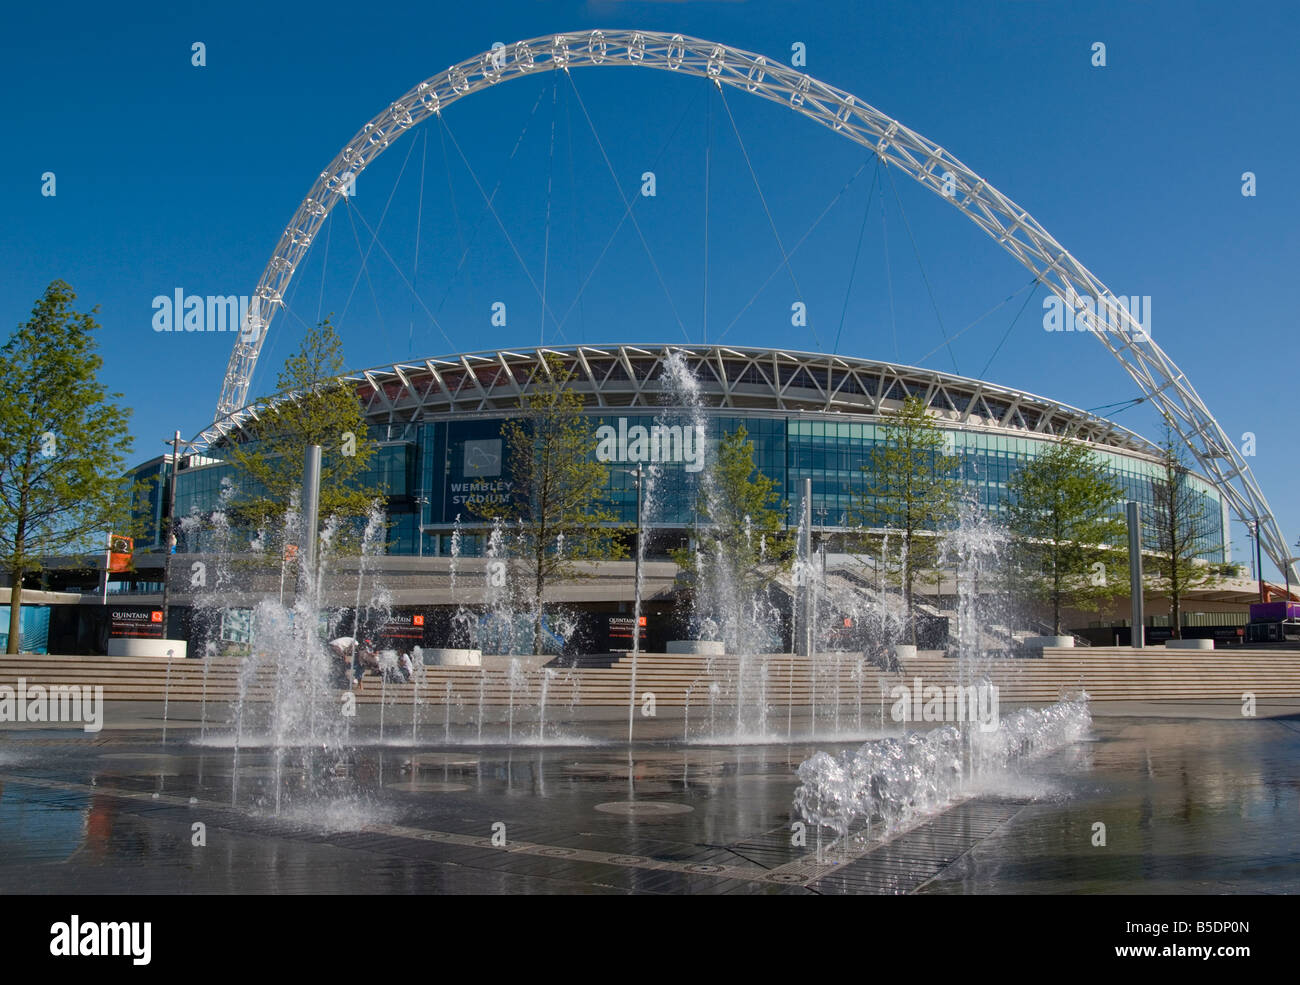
(516, 681)
(736, 625)
(888, 784)
(875, 787)
(482, 683)
(548, 675)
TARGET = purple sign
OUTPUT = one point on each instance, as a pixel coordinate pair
(1274, 611)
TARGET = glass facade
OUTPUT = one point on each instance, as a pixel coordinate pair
(437, 470)
(149, 496)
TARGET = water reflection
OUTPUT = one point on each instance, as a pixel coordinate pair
(1204, 805)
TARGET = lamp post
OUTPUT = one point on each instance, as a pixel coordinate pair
(1286, 571)
(1259, 562)
(168, 546)
(1133, 513)
(821, 515)
(1290, 561)
(1286, 611)
(639, 478)
(421, 502)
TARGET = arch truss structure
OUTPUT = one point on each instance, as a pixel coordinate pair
(1095, 307)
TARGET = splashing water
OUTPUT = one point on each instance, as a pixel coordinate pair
(888, 784)
(548, 675)
(724, 607)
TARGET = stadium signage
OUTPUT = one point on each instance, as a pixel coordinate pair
(678, 444)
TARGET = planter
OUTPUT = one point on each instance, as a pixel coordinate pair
(904, 651)
(1189, 644)
(147, 648)
(1039, 642)
(710, 648)
(453, 658)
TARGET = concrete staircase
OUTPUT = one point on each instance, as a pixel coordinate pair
(1106, 673)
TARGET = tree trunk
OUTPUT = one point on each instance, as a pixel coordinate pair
(16, 576)
(15, 613)
(909, 573)
(1056, 602)
(907, 599)
(538, 590)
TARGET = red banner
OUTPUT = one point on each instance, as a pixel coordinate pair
(120, 550)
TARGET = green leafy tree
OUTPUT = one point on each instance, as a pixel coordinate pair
(310, 408)
(1177, 526)
(556, 501)
(1066, 527)
(911, 495)
(742, 543)
(63, 442)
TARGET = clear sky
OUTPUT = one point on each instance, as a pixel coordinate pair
(174, 176)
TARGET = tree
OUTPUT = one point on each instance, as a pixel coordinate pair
(63, 442)
(310, 408)
(1177, 526)
(557, 487)
(742, 545)
(1064, 519)
(911, 494)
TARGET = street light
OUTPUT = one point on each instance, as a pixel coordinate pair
(821, 515)
(638, 476)
(421, 502)
(1287, 564)
(168, 546)
(1286, 570)
(1259, 562)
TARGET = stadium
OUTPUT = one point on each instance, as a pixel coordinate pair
(710, 518)
(812, 418)
(438, 424)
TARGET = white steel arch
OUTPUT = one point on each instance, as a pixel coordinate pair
(1095, 306)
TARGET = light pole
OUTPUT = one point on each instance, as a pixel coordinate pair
(1259, 562)
(1133, 513)
(421, 502)
(1286, 570)
(1286, 611)
(639, 478)
(1290, 561)
(168, 546)
(821, 515)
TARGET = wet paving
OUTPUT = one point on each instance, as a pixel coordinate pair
(1188, 805)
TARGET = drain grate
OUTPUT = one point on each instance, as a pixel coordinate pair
(771, 850)
(907, 862)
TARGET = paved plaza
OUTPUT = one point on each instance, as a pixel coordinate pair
(1193, 799)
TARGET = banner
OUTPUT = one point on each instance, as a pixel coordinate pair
(400, 632)
(619, 632)
(120, 550)
(144, 624)
(477, 478)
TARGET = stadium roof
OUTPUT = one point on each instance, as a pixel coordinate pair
(620, 377)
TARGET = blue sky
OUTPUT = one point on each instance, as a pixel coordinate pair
(171, 176)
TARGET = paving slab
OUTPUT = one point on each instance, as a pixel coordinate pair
(1192, 799)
